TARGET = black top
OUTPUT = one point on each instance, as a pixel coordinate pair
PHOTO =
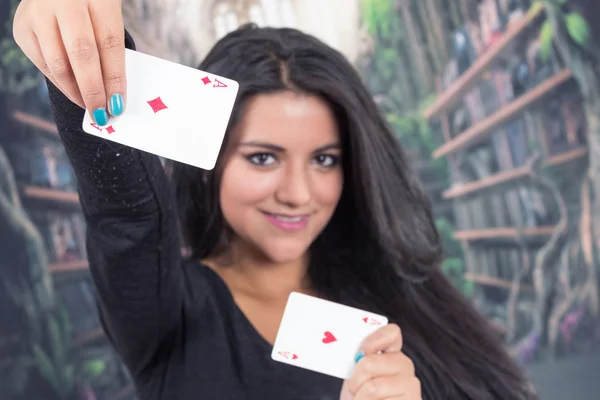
(173, 322)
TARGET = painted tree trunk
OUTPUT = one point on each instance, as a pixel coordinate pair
(467, 9)
(438, 28)
(430, 41)
(584, 240)
(426, 75)
(455, 14)
(34, 279)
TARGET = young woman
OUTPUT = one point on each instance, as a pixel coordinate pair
(312, 193)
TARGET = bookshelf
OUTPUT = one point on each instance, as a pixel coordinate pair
(50, 195)
(496, 181)
(43, 126)
(478, 131)
(491, 184)
(43, 200)
(455, 93)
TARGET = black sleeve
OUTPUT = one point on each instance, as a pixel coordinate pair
(132, 238)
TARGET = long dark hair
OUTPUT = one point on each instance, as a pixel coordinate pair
(381, 250)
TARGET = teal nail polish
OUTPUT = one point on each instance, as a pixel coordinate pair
(359, 356)
(116, 105)
(101, 116)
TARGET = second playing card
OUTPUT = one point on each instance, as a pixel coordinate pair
(173, 111)
(323, 336)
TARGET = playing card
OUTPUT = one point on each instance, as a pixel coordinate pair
(173, 111)
(323, 336)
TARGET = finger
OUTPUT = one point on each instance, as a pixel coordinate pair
(109, 32)
(387, 338)
(377, 365)
(27, 41)
(390, 388)
(55, 60)
(78, 36)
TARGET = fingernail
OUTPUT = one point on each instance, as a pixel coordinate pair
(116, 104)
(101, 116)
(359, 356)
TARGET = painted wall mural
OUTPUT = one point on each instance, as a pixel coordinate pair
(497, 102)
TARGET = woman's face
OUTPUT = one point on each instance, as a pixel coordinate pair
(283, 180)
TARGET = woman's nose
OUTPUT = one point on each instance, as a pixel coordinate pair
(294, 189)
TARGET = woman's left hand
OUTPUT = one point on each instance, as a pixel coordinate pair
(383, 372)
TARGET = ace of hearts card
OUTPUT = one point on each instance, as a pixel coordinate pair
(323, 336)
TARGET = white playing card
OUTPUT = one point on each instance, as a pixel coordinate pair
(323, 336)
(173, 111)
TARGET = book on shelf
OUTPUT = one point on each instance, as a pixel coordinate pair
(63, 234)
(42, 162)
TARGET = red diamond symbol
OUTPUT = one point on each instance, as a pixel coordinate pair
(206, 80)
(157, 104)
(110, 130)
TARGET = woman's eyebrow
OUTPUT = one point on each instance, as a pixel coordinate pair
(332, 146)
(263, 145)
(273, 147)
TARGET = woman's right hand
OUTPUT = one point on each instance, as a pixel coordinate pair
(80, 46)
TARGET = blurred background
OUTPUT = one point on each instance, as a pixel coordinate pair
(497, 102)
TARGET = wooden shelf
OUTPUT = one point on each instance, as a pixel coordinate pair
(47, 194)
(471, 77)
(503, 233)
(45, 126)
(479, 131)
(566, 157)
(510, 176)
(495, 282)
(485, 183)
(89, 337)
(71, 266)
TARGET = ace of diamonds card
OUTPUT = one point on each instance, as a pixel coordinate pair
(173, 111)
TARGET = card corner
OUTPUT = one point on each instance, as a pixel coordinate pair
(294, 295)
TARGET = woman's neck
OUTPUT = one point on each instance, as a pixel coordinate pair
(250, 273)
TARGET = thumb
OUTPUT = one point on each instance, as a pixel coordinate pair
(345, 393)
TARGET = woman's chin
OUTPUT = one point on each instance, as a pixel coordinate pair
(285, 253)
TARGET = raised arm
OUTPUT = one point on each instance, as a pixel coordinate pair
(131, 221)
(132, 235)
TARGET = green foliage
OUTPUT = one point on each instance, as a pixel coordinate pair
(17, 73)
(386, 28)
(540, 4)
(62, 382)
(446, 231)
(414, 132)
(546, 40)
(404, 114)
(578, 28)
(453, 265)
(56, 365)
(93, 368)
(375, 14)
(575, 24)
(537, 5)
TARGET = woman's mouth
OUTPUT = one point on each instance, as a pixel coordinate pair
(289, 223)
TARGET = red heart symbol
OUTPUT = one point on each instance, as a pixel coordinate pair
(329, 338)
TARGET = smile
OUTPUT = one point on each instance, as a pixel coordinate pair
(288, 223)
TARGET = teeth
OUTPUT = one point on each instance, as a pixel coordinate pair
(288, 219)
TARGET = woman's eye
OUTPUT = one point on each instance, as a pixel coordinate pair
(262, 159)
(327, 160)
